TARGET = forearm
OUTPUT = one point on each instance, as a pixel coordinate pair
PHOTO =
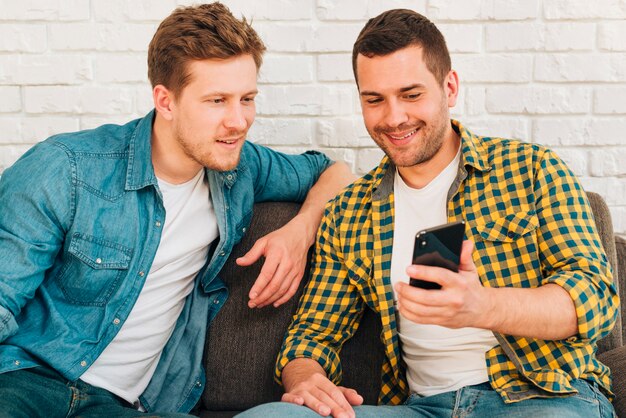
(299, 370)
(331, 181)
(546, 312)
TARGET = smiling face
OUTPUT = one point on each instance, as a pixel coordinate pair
(212, 115)
(405, 109)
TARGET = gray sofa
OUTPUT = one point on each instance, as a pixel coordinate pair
(242, 344)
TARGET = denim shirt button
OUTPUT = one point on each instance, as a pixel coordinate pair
(216, 301)
(243, 229)
(157, 224)
(198, 383)
(16, 362)
(83, 363)
(141, 273)
(229, 177)
(98, 260)
(116, 321)
(222, 253)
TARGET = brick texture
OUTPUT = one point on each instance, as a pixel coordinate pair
(550, 72)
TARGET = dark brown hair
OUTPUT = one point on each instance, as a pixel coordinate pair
(397, 29)
(195, 33)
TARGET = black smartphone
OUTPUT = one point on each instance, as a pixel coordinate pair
(440, 247)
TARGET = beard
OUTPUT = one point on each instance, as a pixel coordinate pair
(204, 153)
(428, 140)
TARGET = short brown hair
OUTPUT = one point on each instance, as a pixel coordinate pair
(195, 33)
(397, 29)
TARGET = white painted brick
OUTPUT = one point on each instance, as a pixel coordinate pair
(583, 68)
(613, 190)
(92, 122)
(10, 132)
(342, 132)
(38, 129)
(292, 100)
(482, 9)
(101, 36)
(23, 38)
(538, 100)
(579, 131)
(514, 36)
(367, 159)
(269, 9)
(584, 9)
(570, 36)
(334, 67)
(607, 162)
(612, 36)
(45, 69)
(462, 38)
(143, 99)
(334, 38)
(9, 155)
(346, 10)
(109, 68)
(44, 10)
(576, 159)
(282, 131)
(376, 7)
(136, 10)
(618, 215)
(338, 100)
(287, 69)
(501, 127)
(474, 100)
(84, 99)
(493, 68)
(11, 99)
(610, 100)
(285, 37)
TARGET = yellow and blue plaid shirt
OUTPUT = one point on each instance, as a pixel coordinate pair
(531, 224)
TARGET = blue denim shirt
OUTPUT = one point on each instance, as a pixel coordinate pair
(80, 222)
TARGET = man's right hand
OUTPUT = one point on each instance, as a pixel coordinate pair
(306, 384)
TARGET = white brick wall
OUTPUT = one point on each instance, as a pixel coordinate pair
(547, 71)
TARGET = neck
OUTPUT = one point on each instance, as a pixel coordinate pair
(419, 175)
(168, 158)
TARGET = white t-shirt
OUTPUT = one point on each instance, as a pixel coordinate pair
(127, 364)
(438, 359)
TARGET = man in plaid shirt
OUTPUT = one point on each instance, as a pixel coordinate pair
(514, 332)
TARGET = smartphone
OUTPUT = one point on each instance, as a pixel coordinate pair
(440, 247)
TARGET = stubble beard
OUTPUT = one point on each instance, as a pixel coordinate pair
(206, 157)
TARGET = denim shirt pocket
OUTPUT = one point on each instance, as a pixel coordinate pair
(93, 270)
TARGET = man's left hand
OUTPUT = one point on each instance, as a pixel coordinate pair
(461, 302)
(285, 251)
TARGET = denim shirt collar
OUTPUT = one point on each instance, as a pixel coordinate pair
(140, 172)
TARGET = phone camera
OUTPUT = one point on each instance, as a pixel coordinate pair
(423, 243)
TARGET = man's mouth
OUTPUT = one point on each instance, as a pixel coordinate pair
(399, 137)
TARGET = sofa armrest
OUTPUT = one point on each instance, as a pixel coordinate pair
(616, 360)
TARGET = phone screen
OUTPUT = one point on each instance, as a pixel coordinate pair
(439, 247)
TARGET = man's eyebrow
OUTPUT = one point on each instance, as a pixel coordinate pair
(401, 90)
(228, 94)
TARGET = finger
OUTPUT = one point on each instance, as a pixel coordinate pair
(352, 396)
(292, 398)
(311, 401)
(273, 285)
(284, 287)
(438, 275)
(265, 276)
(292, 290)
(253, 254)
(406, 292)
(334, 399)
(467, 262)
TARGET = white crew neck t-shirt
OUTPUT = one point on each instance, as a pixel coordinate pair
(127, 364)
(438, 359)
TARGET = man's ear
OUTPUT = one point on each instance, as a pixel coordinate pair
(451, 87)
(163, 101)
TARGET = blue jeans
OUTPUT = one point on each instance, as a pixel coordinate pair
(42, 392)
(477, 401)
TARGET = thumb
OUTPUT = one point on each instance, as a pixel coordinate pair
(253, 254)
(467, 262)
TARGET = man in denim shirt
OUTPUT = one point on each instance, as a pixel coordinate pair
(111, 239)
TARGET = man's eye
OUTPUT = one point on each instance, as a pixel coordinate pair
(248, 99)
(412, 96)
(216, 101)
(374, 101)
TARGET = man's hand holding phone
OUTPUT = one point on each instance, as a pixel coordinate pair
(461, 301)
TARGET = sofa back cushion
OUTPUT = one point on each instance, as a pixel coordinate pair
(242, 343)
